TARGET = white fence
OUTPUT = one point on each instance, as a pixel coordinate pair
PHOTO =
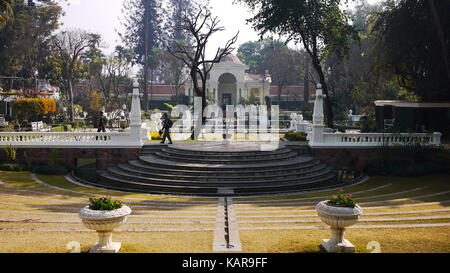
(69, 140)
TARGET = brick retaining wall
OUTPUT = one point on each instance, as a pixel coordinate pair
(105, 157)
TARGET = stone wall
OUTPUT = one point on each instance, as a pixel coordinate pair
(339, 157)
(105, 157)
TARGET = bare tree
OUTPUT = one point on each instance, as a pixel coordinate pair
(69, 46)
(201, 26)
(109, 75)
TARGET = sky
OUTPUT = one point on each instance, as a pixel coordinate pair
(104, 16)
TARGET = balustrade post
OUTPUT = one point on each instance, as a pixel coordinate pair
(135, 116)
(318, 118)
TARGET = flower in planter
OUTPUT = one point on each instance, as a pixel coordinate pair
(341, 199)
(104, 203)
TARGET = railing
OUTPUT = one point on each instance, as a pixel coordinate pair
(68, 139)
(378, 139)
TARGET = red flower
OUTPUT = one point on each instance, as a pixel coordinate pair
(341, 190)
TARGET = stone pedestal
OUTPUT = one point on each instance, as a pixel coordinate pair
(105, 244)
(338, 243)
(338, 218)
(104, 222)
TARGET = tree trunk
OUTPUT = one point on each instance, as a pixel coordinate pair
(279, 94)
(70, 106)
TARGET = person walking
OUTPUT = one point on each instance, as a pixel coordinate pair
(101, 122)
(166, 125)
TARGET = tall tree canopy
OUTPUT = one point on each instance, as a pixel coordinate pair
(320, 26)
(252, 53)
(24, 41)
(413, 42)
(133, 35)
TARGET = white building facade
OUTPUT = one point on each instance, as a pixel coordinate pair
(229, 83)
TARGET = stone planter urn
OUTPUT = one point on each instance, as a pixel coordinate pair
(338, 217)
(104, 222)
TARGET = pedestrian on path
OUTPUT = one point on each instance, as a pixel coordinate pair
(166, 125)
(101, 122)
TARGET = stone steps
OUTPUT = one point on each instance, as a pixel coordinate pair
(214, 182)
(134, 167)
(163, 169)
(228, 160)
(154, 160)
(110, 181)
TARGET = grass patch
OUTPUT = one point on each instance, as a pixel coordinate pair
(132, 242)
(399, 240)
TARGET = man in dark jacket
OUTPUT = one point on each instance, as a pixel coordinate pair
(101, 122)
(167, 123)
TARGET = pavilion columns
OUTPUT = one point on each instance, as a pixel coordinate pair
(214, 87)
(261, 95)
(240, 92)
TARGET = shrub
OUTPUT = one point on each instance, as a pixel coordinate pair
(155, 135)
(11, 152)
(104, 203)
(29, 108)
(291, 136)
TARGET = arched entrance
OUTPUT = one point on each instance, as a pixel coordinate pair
(227, 90)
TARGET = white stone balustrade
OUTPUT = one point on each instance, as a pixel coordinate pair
(130, 139)
(318, 138)
(68, 140)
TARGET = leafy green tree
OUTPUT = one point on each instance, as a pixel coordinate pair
(252, 53)
(133, 34)
(24, 41)
(409, 45)
(320, 26)
(354, 82)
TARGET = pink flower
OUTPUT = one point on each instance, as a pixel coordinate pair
(350, 195)
(341, 190)
(334, 196)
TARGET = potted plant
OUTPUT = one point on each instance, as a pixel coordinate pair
(104, 215)
(339, 212)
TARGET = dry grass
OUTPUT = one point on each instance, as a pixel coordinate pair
(397, 240)
(163, 212)
(435, 182)
(136, 242)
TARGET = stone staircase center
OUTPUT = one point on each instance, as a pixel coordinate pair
(163, 169)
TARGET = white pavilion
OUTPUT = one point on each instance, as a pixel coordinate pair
(229, 82)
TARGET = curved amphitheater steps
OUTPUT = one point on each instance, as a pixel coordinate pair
(163, 169)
